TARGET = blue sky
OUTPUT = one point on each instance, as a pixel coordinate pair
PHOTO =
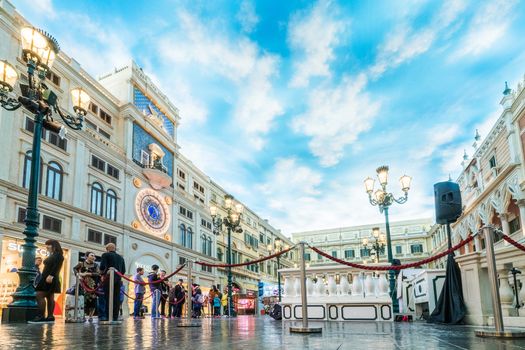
(290, 105)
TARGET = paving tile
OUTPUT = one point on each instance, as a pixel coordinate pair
(246, 333)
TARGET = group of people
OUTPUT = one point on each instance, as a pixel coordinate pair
(162, 292)
(167, 299)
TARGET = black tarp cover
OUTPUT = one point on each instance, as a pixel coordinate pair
(450, 308)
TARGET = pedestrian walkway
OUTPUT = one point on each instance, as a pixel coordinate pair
(246, 333)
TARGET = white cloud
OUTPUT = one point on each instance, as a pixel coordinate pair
(202, 47)
(335, 117)
(41, 7)
(298, 198)
(95, 46)
(435, 138)
(452, 156)
(488, 25)
(257, 106)
(247, 16)
(313, 36)
(404, 42)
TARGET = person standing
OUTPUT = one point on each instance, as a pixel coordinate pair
(112, 259)
(211, 296)
(180, 294)
(89, 274)
(224, 303)
(140, 290)
(164, 289)
(49, 283)
(217, 306)
(153, 276)
(38, 263)
(171, 301)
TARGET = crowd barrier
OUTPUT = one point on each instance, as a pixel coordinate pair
(488, 231)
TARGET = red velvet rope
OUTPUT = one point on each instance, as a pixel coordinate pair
(142, 299)
(396, 267)
(172, 302)
(514, 243)
(246, 263)
(153, 282)
(90, 290)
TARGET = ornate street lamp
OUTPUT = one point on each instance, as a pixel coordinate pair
(377, 247)
(39, 50)
(232, 221)
(384, 199)
(278, 247)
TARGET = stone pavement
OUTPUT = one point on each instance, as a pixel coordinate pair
(246, 333)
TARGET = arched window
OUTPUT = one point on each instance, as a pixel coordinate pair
(189, 242)
(208, 244)
(183, 235)
(27, 172)
(54, 181)
(203, 244)
(111, 205)
(96, 198)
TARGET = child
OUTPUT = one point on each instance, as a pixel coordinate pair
(217, 306)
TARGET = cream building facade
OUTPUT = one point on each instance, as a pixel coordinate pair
(492, 187)
(409, 242)
(121, 179)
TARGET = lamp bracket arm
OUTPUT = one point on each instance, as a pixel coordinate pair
(72, 122)
(9, 103)
(401, 200)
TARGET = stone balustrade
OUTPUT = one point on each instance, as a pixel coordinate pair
(337, 293)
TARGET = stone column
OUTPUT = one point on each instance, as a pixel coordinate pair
(477, 243)
(521, 205)
(504, 217)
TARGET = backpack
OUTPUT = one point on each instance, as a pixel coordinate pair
(277, 312)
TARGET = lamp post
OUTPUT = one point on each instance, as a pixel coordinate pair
(384, 199)
(232, 221)
(278, 247)
(39, 50)
(378, 243)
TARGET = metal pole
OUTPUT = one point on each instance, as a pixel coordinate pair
(304, 300)
(391, 273)
(75, 313)
(279, 276)
(188, 322)
(190, 290)
(449, 237)
(514, 272)
(230, 278)
(493, 278)
(496, 302)
(111, 293)
(25, 295)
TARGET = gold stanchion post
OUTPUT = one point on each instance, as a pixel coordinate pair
(188, 322)
(304, 301)
(499, 331)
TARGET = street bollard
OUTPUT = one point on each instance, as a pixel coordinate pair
(75, 313)
(189, 303)
(304, 301)
(499, 331)
(75, 318)
(111, 293)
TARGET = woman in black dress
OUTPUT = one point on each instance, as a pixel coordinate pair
(49, 282)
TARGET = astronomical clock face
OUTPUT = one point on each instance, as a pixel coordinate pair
(152, 211)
